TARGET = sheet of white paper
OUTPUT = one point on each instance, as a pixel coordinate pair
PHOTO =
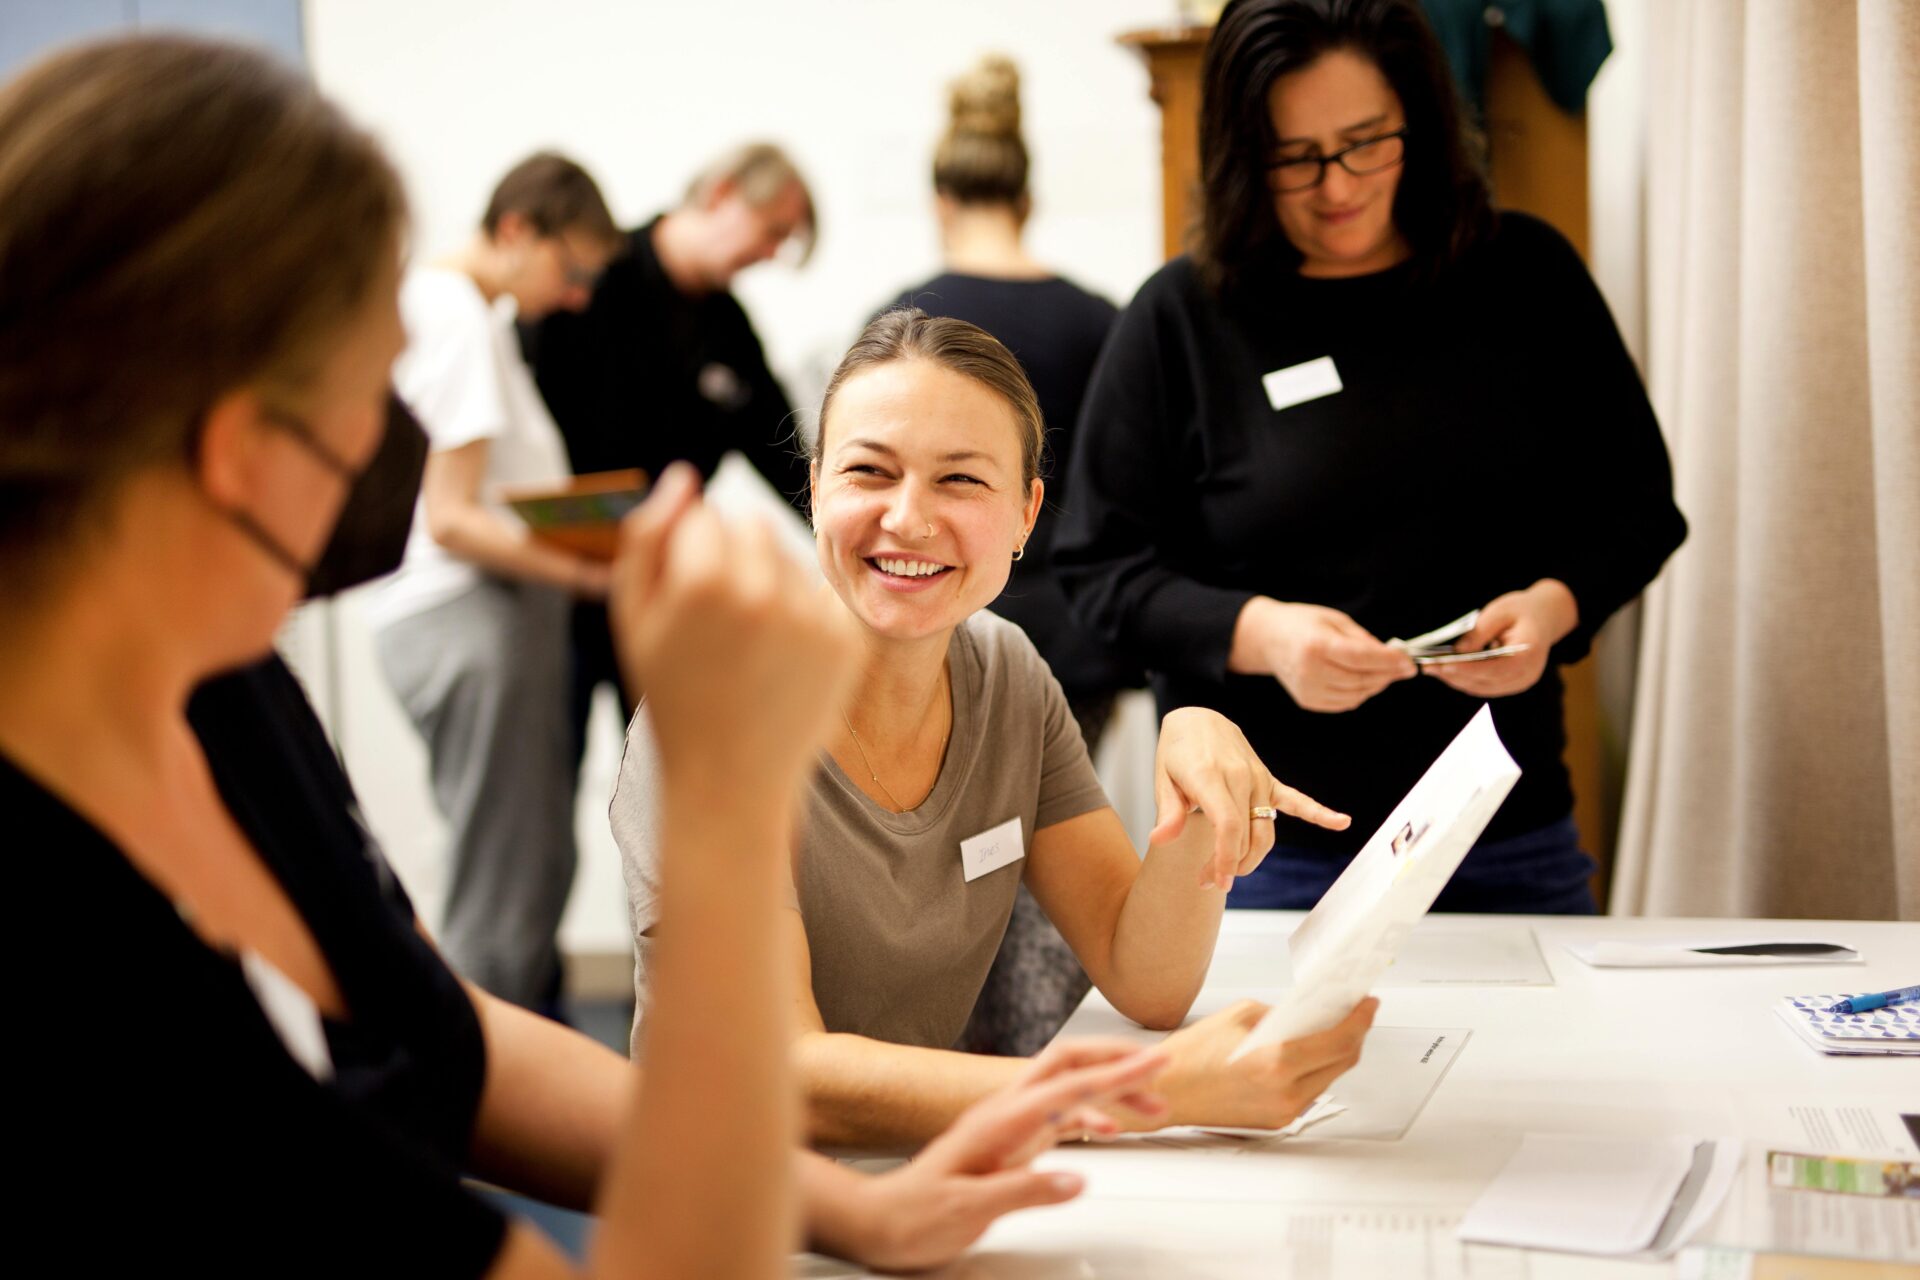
(1826, 1126)
(1189, 1137)
(1581, 1193)
(1399, 1069)
(1353, 933)
(1439, 952)
(1684, 953)
(1410, 1242)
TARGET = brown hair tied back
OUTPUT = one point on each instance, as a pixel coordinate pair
(178, 219)
(907, 333)
(981, 158)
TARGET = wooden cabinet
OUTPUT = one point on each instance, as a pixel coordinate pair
(1537, 157)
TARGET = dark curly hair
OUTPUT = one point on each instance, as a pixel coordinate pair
(1441, 206)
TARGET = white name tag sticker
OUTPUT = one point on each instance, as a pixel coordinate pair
(1301, 383)
(992, 849)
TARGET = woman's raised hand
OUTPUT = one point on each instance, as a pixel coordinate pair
(1204, 764)
(1325, 660)
(929, 1211)
(745, 662)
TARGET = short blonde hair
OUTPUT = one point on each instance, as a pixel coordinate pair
(760, 171)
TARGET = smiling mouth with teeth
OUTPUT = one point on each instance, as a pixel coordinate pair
(908, 568)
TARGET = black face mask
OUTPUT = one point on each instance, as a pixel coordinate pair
(370, 538)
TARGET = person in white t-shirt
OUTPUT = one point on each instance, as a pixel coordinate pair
(472, 630)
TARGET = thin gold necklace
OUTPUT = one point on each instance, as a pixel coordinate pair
(941, 756)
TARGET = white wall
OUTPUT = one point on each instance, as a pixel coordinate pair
(642, 94)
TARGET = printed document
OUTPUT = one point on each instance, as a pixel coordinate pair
(1352, 935)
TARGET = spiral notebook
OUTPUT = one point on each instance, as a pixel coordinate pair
(1894, 1030)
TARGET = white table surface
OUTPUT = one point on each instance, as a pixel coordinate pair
(1605, 1051)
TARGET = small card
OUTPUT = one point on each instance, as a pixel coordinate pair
(1472, 655)
(1301, 383)
(992, 849)
(1438, 639)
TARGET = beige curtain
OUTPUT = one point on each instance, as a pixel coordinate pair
(1775, 765)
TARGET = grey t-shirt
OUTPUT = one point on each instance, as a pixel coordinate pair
(901, 940)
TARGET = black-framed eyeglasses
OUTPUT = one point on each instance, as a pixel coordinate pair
(1370, 155)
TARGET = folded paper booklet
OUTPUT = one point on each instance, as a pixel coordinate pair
(1695, 953)
(1353, 933)
(582, 514)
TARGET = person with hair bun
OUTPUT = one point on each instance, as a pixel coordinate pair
(1365, 405)
(255, 1062)
(982, 201)
(957, 775)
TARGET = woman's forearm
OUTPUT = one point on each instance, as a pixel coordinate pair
(1163, 940)
(552, 1106)
(866, 1093)
(483, 537)
(714, 1129)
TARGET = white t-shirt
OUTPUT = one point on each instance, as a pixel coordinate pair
(463, 377)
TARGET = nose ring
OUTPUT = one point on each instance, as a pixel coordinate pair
(928, 533)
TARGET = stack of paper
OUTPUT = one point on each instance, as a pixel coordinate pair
(1621, 1197)
(1880, 1032)
(1435, 648)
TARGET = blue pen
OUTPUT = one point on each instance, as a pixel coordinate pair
(1878, 1000)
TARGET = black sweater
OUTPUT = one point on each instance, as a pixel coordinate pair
(647, 375)
(174, 1123)
(1056, 328)
(1492, 431)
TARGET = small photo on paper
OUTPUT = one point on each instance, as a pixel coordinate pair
(1408, 836)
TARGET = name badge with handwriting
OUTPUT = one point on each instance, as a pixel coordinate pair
(992, 849)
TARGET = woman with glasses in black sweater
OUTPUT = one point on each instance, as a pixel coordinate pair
(1365, 405)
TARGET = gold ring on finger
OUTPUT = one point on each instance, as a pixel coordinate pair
(1266, 811)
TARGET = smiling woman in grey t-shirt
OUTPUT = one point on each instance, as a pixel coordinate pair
(961, 774)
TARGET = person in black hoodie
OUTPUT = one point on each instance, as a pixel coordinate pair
(663, 364)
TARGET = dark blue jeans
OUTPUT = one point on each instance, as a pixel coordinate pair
(1543, 872)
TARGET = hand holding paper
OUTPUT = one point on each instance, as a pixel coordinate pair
(1349, 938)
(1208, 1082)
